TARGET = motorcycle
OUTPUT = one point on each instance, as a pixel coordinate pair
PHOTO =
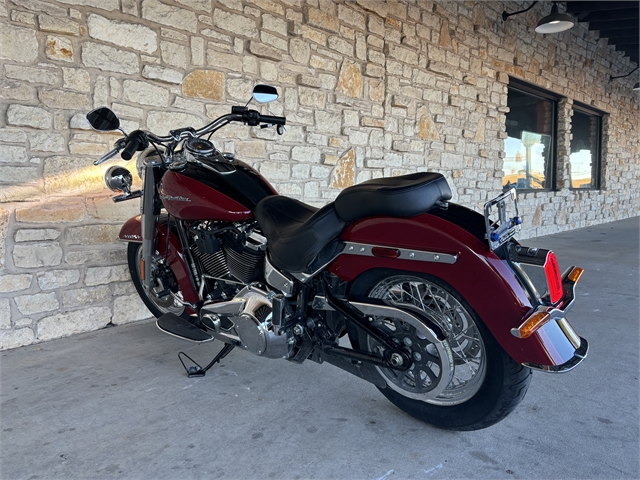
(431, 302)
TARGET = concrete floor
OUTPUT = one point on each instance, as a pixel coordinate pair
(117, 404)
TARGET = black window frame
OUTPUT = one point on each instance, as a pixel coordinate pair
(586, 109)
(554, 98)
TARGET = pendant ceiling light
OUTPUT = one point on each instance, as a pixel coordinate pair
(636, 87)
(555, 22)
(552, 23)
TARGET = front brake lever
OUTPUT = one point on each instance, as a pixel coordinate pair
(119, 146)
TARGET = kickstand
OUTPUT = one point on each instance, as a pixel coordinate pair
(196, 370)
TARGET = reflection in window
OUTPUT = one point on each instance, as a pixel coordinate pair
(530, 125)
(585, 150)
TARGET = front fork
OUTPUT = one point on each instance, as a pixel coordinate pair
(149, 219)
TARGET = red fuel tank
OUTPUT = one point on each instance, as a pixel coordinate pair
(220, 191)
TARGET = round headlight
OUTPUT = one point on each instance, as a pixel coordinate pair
(118, 179)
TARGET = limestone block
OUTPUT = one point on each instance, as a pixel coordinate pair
(103, 208)
(327, 122)
(174, 17)
(46, 142)
(18, 44)
(240, 88)
(26, 116)
(174, 54)
(223, 60)
(145, 93)
(321, 19)
(306, 154)
(36, 234)
(92, 234)
(85, 296)
(376, 6)
(16, 338)
(14, 175)
(38, 303)
(54, 24)
(32, 74)
(109, 59)
(341, 46)
(5, 314)
(128, 35)
(79, 121)
(203, 5)
(344, 173)
(69, 323)
(189, 105)
(197, 51)
(310, 97)
(275, 24)
(160, 122)
(232, 22)
(104, 275)
(13, 154)
(57, 278)
(351, 17)
(14, 283)
(427, 129)
(350, 79)
(37, 255)
(275, 170)
(41, 7)
(10, 135)
(59, 48)
(269, 6)
(110, 5)
(129, 309)
(273, 40)
(65, 100)
(163, 74)
(320, 62)
(252, 149)
(54, 211)
(265, 51)
(65, 174)
(87, 257)
(207, 84)
(402, 54)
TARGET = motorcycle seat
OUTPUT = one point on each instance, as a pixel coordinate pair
(297, 232)
(402, 196)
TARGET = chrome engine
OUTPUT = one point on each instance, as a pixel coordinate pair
(246, 319)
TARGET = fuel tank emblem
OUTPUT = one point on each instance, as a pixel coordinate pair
(175, 199)
(132, 237)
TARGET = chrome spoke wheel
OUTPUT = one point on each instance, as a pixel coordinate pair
(463, 337)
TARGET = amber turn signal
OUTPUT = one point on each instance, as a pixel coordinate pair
(575, 274)
(142, 269)
(531, 324)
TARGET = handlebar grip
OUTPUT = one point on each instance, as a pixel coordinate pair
(130, 148)
(273, 120)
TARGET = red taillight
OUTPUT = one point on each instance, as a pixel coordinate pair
(554, 280)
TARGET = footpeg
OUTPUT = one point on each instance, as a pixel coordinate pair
(179, 327)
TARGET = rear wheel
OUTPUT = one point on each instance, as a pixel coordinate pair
(158, 306)
(485, 385)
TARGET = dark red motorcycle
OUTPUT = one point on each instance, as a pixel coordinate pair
(436, 302)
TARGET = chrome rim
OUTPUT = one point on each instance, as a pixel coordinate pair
(463, 337)
(166, 304)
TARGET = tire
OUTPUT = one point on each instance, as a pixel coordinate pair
(158, 306)
(487, 384)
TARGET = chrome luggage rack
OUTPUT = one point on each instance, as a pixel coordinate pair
(500, 231)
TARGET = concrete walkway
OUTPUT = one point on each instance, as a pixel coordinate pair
(116, 404)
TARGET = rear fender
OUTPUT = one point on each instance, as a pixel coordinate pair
(484, 280)
(131, 231)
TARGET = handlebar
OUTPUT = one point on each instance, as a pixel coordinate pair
(130, 148)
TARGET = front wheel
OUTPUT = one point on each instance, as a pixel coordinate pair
(485, 384)
(157, 305)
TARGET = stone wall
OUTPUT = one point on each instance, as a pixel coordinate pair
(369, 89)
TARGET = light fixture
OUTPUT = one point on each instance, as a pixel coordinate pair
(555, 22)
(636, 87)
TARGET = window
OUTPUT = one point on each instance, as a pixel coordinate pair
(531, 137)
(586, 127)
